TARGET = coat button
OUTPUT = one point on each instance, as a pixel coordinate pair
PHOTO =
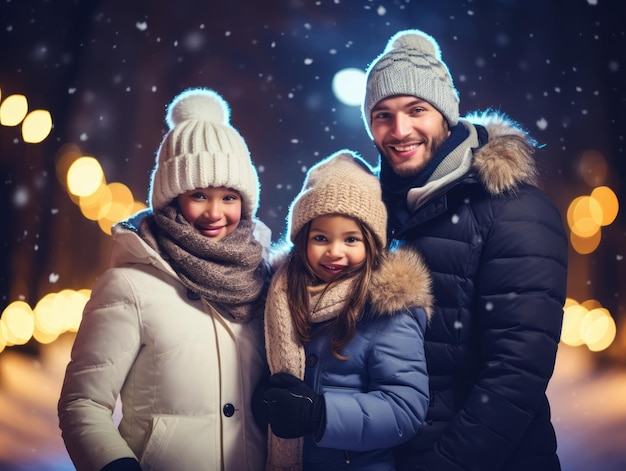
(311, 360)
(229, 410)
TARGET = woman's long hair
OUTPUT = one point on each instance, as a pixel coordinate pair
(300, 276)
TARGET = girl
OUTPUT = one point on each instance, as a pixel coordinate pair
(344, 330)
(174, 327)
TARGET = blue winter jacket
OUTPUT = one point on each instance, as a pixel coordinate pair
(497, 252)
(377, 398)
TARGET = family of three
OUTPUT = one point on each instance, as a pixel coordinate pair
(409, 320)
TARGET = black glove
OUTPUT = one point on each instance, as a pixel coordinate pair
(295, 409)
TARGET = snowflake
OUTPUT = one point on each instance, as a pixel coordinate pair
(542, 124)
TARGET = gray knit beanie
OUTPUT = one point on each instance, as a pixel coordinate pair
(411, 65)
(342, 183)
(202, 150)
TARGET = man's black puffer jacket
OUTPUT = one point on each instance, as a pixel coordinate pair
(497, 251)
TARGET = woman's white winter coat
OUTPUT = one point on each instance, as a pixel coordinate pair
(185, 373)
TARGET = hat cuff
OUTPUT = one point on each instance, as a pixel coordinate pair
(186, 172)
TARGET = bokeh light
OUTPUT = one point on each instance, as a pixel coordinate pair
(607, 199)
(19, 322)
(348, 86)
(585, 245)
(587, 323)
(587, 214)
(584, 216)
(13, 109)
(36, 126)
(84, 176)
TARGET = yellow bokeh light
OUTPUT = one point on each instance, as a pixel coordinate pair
(95, 205)
(572, 317)
(607, 199)
(116, 213)
(49, 313)
(590, 304)
(84, 176)
(569, 302)
(122, 196)
(76, 304)
(36, 126)
(19, 321)
(607, 330)
(597, 329)
(13, 109)
(584, 216)
(3, 336)
(585, 245)
(7, 334)
(43, 337)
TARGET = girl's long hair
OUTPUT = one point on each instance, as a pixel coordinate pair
(300, 276)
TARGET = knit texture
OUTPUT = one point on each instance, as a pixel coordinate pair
(411, 65)
(229, 274)
(343, 183)
(285, 353)
(202, 150)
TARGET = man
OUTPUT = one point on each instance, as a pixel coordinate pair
(463, 192)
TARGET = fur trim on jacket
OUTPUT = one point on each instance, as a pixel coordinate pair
(402, 281)
(507, 159)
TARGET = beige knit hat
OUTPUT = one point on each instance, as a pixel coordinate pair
(202, 150)
(411, 65)
(342, 183)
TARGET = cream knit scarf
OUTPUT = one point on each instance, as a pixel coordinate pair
(229, 273)
(285, 354)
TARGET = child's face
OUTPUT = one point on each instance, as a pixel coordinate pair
(214, 211)
(335, 242)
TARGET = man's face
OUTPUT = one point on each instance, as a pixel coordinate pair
(408, 131)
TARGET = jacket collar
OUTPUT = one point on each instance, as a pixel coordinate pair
(506, 160)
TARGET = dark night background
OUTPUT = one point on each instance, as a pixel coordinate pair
(107, 69)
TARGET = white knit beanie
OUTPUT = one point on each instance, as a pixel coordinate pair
(411, 65)
(202, 150)
(342, 183)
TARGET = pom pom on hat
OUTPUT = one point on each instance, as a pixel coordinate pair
(197, 104)
(202, 150)
(342, 183)
(411, 65)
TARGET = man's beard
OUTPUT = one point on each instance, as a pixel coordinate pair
(415, 169)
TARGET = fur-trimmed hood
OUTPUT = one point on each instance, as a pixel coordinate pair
(402, 281)
(506, 160)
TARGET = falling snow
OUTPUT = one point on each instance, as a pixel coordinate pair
(542, 124)
(108, 82)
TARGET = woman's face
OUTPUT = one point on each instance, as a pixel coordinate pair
(214, 211)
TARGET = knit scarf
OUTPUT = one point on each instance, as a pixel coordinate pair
(229, 273)
(395, 187)
(285, 353)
